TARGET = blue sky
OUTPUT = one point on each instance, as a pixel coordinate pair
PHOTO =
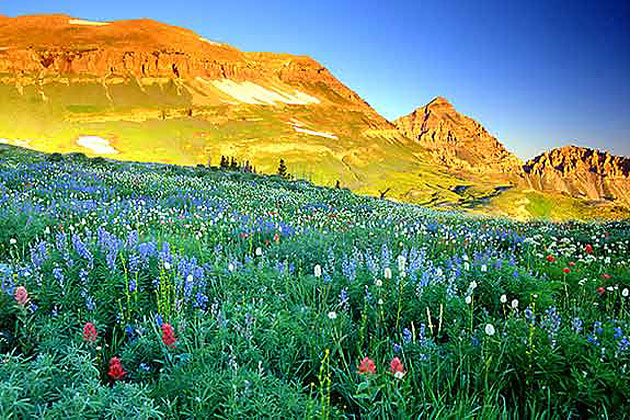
(538, 74)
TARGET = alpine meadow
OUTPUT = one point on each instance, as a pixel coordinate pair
(189, 230)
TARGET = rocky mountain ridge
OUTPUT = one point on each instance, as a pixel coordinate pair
(145, 48)
(457, 141)
(581, 172)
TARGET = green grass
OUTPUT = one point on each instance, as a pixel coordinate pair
(276, 290)
(151, 123)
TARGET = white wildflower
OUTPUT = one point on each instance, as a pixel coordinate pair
(490, 329)
(401, 263)
(317, 270)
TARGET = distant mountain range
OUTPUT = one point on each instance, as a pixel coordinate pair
(147, 91)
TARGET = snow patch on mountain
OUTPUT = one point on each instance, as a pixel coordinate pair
(252, 93)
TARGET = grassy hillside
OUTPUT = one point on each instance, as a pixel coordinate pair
(139, 290)
(188, 129)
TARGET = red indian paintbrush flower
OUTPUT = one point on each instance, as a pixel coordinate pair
(601, 290)
(21, 295)
(89, 333)
(168, 335)
(566, 270)
(551, 258)
(116, 370)
(396, 367)
(606, 276)
(588, 249)
(367, 366)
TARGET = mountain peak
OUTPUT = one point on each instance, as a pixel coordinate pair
(581, 172)
(457, 141)
(439, 101)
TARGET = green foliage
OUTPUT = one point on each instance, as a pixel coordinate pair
(274, 291)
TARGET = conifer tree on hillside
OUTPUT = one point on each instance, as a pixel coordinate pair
(282, 170)
(234, 164)
(224, 162)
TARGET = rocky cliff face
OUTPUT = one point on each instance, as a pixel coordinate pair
(581, 172)
(457, 141)
(51, 45)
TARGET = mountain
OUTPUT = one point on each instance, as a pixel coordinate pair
(581, 172)
(456, 141)
(563, 183)
(142, 90)
(147, 91)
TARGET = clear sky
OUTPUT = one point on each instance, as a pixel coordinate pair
(538, 74)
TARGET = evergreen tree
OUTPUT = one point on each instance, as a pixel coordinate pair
(234, 164)
(282, 170)
(224, 162)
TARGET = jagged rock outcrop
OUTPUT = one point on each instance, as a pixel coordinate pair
(581, 172)
(457, 141)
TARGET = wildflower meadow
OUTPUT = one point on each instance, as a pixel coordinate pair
(148, 291)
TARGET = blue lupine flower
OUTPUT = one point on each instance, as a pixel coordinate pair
(406, 336)
(343, 298)
(201, 301)
(134, 262)
(89, 303)
(421, 334)
(58, 275)
(132, 239)
(386, 256)
(577, 324)
(554, 320)
(529, 314)
(81, 249)
(327, 278)
(129, 331)
(368, 295)
(39, 254)
(618, 332)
